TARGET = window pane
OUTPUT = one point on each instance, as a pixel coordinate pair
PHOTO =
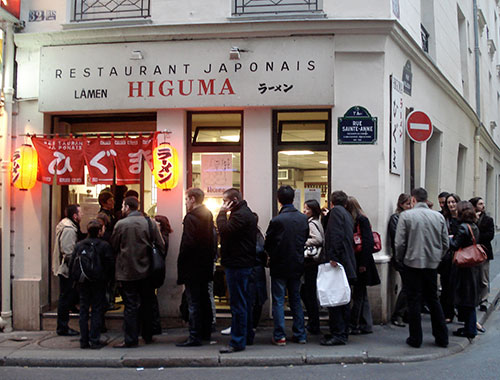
(222, 127)
(293, 131)
(216, 135)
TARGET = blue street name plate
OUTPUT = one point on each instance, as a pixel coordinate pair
(357, 127)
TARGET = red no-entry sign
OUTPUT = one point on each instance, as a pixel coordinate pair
(419, 126)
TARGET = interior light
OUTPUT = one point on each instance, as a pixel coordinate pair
(232, 138)
(296, 152)
(196, 162)
(324, 162)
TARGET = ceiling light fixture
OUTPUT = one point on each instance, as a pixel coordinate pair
(297, 152)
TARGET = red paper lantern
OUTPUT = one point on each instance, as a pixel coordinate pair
(165, 166)
(24, 167)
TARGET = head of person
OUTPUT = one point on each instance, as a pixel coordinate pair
(194, 198)
(130, 204)
(106, 200)
(132, 193)
(103, 218)
(74, 213)
(442, 199)
(312, 209)
(404, 202)
(338, 198)
(354, 208)
(477, 203)
(232, 195)
(418, 195)
(95, 228)
(164, 224)
(450, 206)
(286, 195)
(466, 213)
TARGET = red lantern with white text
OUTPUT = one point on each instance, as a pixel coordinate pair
(165, 166)
(24, 167)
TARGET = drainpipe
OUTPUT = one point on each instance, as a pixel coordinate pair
(5, 200)
(477, 136)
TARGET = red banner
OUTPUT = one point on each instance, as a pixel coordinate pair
(62, 157)
(130, 153)
(99, 155)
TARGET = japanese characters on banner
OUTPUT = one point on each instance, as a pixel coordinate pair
(65, 158)
(397, 127)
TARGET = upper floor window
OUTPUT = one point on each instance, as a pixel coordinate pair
(92, 10)
(424, 34)
(249, 7)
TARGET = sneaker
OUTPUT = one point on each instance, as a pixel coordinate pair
(226, 331)
(279, 342)
(298, 340)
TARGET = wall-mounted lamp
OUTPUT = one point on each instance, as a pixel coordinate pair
(234, 53)
(136, 55)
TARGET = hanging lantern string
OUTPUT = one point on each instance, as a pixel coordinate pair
(165, 132)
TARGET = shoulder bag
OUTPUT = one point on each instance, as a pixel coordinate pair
(358, 243)
(313, 252)
(157, 269)
(470, 256)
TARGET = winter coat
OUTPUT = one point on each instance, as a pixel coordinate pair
(237, 236)
(198, 247)
(131, 244)
(105, 252)
(286, 236)
(365, 258)
(65, 241)
(465, 281)
(421, 237)
(486, 233)
(339, 243)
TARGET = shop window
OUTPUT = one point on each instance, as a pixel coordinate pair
(302, 146)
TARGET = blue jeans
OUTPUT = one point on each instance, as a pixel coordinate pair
(241, 310)
(278, 288)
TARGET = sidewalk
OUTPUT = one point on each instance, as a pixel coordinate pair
(385, 345)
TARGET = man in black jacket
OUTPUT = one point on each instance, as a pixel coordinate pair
(195, 266)
(238, 235)
(285, 240)
(339, 250)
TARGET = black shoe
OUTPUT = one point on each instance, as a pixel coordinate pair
(410, 343)
(84, 346)
(69, 332)
(189, 342)
(298, 340)
(333, 341)
(483, 308)
(313, 330)
(98, 345)
(441, 344)
(230, 350)
(148, 340)
(398, 322)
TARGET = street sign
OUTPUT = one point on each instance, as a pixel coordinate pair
(419, 126)
(357, 127)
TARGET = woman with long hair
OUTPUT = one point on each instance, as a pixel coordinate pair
(308, 291)
(401, 307)
(367, 274)
(450, 213)
(466, 280)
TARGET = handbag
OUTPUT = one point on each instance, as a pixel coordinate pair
(313, 252)
(470, 256)
(332, 286)
(157, 268)
(358, 243)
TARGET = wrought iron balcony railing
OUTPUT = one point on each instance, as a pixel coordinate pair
(245, 7)
(92, 10)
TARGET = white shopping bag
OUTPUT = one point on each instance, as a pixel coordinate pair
(333, 287)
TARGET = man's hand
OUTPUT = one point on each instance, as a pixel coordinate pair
(334, 263)
(226, 206)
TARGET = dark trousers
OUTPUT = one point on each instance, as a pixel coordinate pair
(447, 288)
(309, 295)
(241, 310)
(200, 310)
(67, 296)
(92, 296)
(401, 307)
(138, 298)
(468, 314)
(361, 314)
(339, 321)
(421, 285)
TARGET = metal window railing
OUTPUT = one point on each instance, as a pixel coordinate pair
(244, 7)
(92, 10)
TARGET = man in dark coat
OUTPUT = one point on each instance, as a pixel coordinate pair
(285, 240)
(238, 235)
(339, 250)
(195, 266)
(131, 242)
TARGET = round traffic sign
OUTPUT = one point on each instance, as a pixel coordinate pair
(419, 126)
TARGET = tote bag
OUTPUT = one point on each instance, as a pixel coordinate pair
(332, 285)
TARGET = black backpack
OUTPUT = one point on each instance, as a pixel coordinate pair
(86, 263)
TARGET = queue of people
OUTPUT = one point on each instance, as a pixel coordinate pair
(114, 257)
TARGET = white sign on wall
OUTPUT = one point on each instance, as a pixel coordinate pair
(177, 74)
(216, 173)
(397, 127)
